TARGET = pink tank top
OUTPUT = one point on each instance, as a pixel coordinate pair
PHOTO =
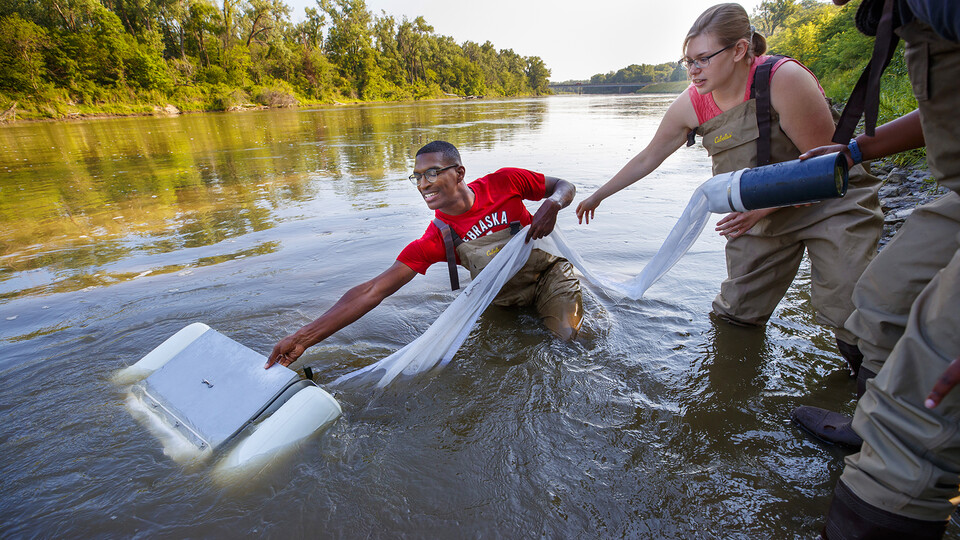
(707, 108)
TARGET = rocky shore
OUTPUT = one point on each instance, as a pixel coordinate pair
(903, 189)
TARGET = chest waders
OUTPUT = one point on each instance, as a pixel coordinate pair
(545, 281)
(839, 235)
(903, 483)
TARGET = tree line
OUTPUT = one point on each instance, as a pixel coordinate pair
(634, 74)
(125, 56)
(218, 54)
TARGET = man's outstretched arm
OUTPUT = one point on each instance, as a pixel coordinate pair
(351, 306)
(898, 135)
(559, 194)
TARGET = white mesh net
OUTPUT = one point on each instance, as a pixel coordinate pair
(436, 347)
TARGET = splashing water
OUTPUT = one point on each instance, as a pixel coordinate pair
(437, 345)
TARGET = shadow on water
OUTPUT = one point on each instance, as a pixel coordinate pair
(726, 389)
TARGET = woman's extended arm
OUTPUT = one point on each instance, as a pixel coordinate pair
(679, 119)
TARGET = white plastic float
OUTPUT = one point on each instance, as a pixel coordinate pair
(201, 393)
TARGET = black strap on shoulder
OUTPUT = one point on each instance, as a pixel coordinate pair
(691, 136)
(760, 90)
(450, 242)
(865, 98)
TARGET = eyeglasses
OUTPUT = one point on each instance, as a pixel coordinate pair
(703, 61)
(430, 174)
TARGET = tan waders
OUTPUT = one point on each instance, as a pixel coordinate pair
(839, 235)
(908, 469)
(922, 247)
(545, 282)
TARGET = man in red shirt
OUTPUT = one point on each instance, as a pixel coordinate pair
(476, 220)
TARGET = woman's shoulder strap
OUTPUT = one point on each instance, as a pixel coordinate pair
(760, 90)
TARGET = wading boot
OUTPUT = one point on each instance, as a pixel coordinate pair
(852, 518)
(832, 427)
(853, 356)
(827, 426)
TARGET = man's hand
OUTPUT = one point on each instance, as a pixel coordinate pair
(946, 382)
(828, 149)
(544, 220)
(286, 352)
(736, 224)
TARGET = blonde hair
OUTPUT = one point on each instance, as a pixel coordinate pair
(728, 23)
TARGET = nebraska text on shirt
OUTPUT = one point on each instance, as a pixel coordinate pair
(485, 224)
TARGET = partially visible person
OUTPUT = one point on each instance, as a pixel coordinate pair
(752, 110)
(890, 283)
(473, 220)
(906, 478)
(945, 384)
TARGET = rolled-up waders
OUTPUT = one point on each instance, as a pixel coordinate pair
(780, 184)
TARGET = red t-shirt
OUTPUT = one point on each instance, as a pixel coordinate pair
(499, 200)
(707, 108)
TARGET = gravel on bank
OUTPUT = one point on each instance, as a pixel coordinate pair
(903, 189)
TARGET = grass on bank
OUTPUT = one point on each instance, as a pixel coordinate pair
(673, 87)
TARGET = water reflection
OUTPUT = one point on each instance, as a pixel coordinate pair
(78, 199)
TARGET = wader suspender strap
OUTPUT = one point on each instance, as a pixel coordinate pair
(450, 242)
(760, 90)
(761, 93)
(865, 98)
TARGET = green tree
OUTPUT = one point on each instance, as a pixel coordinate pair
(145, 66)
(200, 25)
(771, 14)
(22, 47)
(412, 38)
(388, 53)
(349, 45)
(310, 32)
(538, 75)
(263, 20)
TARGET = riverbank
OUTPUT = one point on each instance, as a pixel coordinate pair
(903, 189)
(674, 87)
(16, 113)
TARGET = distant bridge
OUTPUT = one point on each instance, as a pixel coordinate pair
(578, 87)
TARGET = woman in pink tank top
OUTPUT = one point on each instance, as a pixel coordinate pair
(720, 58)
(764, 247)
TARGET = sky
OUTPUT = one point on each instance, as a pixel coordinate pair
(576, 39)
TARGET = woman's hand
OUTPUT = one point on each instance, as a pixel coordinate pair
(586, 208)
(735, 224)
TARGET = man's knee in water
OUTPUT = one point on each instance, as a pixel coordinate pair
(565, 322)
(559, 301)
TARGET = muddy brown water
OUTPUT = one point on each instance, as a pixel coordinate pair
(658, 422)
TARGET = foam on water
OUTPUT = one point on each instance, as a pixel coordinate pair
(175, 445)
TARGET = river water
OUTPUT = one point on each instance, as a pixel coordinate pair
(658, 422)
